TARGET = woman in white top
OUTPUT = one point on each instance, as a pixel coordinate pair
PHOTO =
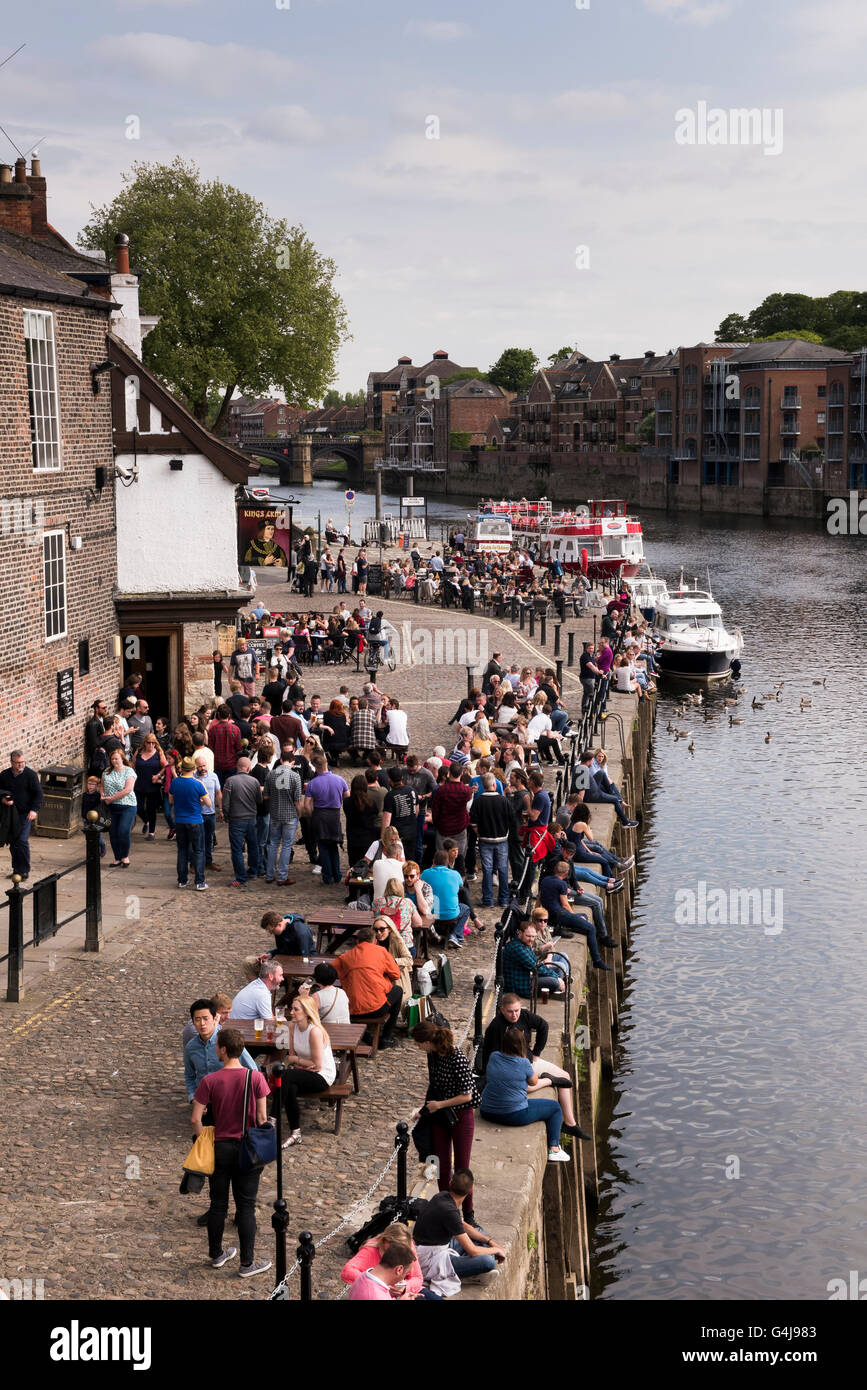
(332, 1000)
(626, 685)
(310, 1068)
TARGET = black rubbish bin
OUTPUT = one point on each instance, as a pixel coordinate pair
(60, 812)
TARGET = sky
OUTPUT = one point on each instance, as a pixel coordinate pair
(558, 202)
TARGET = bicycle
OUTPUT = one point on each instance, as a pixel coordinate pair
(374, 660)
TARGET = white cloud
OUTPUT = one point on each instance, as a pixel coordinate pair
(699, 12)
(173, 61)
(602, 104)
(439, 31)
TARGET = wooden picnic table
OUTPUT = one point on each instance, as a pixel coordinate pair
(299, 967)
(335, 924)
(345, 1039)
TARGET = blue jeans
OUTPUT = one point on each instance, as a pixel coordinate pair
(329, 858)
(559, 720)
(547, 1110)
(588, 876)
(573, 922)
(210, 824)
(122, 821)
(243, 832)
(495, 856)
(454, 925)
(280, 842)
(263, 826)
(190, 840)
(606, 799)
(468, 1265)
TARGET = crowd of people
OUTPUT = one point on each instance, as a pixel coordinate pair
(332, 776)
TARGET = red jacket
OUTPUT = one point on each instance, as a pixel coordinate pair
(449, 807)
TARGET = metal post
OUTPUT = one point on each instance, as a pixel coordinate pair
(469, 680)
(559, 664)
(533, 622)
(280, 1219)
(543, 629)
(557, 627)
(15, 973)
(514, 609)
(522, 617)
(570, 660)
(93, 936)
(289, 511)
(378, 473)
(304, 1255)
(401, 1143)
(594, 629)
(479, 993)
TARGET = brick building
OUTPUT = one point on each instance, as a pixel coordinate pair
(59, 644)
(754, 415)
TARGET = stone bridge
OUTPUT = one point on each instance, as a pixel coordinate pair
(295, 455)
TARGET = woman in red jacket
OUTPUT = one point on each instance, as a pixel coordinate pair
(371, 1253)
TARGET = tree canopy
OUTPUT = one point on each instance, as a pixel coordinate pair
(514, 369)
(246, 302)
(333, 397)
(838, 320)
(560, 355)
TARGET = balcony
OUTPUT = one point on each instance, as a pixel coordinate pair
(790, 403)
(790, 427)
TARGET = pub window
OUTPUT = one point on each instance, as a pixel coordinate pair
(54, 584)
(42, 389)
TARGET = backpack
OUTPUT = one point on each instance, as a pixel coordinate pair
(99, 761)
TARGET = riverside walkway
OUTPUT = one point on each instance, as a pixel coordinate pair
(96, 1123)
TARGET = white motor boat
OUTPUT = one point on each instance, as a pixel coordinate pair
(695, 643)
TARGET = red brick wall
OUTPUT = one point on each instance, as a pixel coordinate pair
(29, 665)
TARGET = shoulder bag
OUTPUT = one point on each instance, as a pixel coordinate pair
(259, 1144)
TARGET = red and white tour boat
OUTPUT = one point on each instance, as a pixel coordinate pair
(599, 538)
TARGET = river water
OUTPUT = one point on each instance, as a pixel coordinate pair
(735, 1166)
(737, 1129)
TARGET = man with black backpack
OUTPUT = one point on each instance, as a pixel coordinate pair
(224, 1091)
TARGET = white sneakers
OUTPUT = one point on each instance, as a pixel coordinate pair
(558, 1155)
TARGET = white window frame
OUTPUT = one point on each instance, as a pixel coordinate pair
(59, 585)
(43, 399)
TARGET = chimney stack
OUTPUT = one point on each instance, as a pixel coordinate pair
(121, 253)
(16, 199)
(39, 207)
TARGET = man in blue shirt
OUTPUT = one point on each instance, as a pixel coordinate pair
(188, 795)
(540, 806)
(200, 1053)
(483, 766)
(450, 913)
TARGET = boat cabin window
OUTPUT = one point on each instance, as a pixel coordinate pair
(493, 526)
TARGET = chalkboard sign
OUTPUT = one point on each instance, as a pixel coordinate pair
(65, 693)
(374, 579)
(260, 647)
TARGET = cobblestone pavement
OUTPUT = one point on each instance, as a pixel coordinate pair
(95, 1123)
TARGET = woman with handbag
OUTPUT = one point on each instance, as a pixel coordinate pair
(225, 1091)
(452, 1095)
(310, 1066)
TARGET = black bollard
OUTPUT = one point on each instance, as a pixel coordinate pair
(469, 680)
(571, 649)
(401, 1143)
(514, 602)
(557, 627)
(280, 1219)
(543, 628)
(15, 969)
(93, 938)
(479, 993)
(522, 617)
(533, 623)
(304, 1255)
(559, 664)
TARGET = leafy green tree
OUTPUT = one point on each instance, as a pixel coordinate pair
(246, 302)
(514, 369)
(805, 333)
(775, 313)
(333, 397)
(733, 329)
(848, 338)
(647, 428)
(468, 375)
(560, 355)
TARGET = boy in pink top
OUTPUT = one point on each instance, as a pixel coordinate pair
(386, 1280)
